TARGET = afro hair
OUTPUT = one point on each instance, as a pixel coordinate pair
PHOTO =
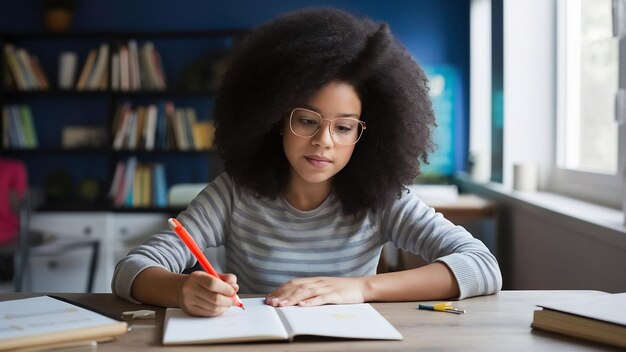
(283, 63)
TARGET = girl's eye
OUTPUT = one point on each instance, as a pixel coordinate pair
(307, 121)
(343, 129)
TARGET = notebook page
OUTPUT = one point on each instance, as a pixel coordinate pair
(358, 321)
(256, 323)
(44, 315)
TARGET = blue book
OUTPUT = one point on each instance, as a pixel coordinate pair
(131, 167)
(161, 131)
(160, 186)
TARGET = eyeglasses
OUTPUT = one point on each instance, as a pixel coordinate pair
(343, 130)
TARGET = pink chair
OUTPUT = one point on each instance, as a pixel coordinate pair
(16, 238)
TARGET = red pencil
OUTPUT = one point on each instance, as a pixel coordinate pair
(191, 244)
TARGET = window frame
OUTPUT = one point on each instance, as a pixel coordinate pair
(595, 187)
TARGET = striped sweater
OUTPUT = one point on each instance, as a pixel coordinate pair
(269, 242)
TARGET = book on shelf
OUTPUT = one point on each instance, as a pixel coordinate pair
(152, 70)
(18, 127)
(600, 318)
(261, 322)
(150, 127)
(67, 69)
(83, 137)
(28, 127)
(137, 184)
(135, 67)
(140, 128)
(14, 68)
(115, 71)
(86, 71)
(133, 64)
(124, 69)
(160, 126)
(159, 70)
(137, 197)
(48, 322)
(126, 186)
(203, 135)
(40, 75)
(98, 70)
(24, 69)
(25, 66)
(116, 183)
(178, 124)
(159, 186)
(132, 130)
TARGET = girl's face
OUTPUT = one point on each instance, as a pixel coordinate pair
(318, 158)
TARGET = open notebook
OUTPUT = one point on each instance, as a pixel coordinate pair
(260, 322)
(47, 322)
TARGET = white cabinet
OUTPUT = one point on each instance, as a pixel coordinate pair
(117, 233)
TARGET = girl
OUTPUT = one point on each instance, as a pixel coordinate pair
(321, 119)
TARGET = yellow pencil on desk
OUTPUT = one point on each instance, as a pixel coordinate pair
(442, 307)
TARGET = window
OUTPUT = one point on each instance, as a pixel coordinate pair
(588, 66)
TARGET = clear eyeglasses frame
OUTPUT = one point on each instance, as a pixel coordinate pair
(307, 123)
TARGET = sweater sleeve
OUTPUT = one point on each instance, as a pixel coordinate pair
(412, 225)
(206, 218)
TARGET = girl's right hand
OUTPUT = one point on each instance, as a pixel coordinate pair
(207, 296)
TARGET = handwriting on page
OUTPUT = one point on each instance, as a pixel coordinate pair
(38, 314)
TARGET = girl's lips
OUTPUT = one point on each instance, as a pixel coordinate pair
(317, 162)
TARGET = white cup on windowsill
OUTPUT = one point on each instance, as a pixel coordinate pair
(525, 177)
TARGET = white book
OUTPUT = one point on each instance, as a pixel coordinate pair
(261, 322)
(68, 61)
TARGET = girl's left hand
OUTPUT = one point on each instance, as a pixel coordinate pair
(316, 291)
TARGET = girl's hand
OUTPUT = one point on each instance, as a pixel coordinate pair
(207, 296)
(316, 291)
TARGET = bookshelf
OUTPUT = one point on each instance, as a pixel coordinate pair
(54, 109)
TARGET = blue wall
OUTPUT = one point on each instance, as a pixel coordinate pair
(436, 32)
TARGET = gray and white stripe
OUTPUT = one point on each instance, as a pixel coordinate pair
(268, 242)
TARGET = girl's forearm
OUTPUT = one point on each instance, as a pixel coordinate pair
(157, 286)
(431, 282)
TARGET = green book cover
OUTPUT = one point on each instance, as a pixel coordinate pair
(28, 126)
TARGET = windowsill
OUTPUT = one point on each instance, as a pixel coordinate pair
(555, 205)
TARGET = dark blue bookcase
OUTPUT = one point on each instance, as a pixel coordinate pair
(54, 109)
